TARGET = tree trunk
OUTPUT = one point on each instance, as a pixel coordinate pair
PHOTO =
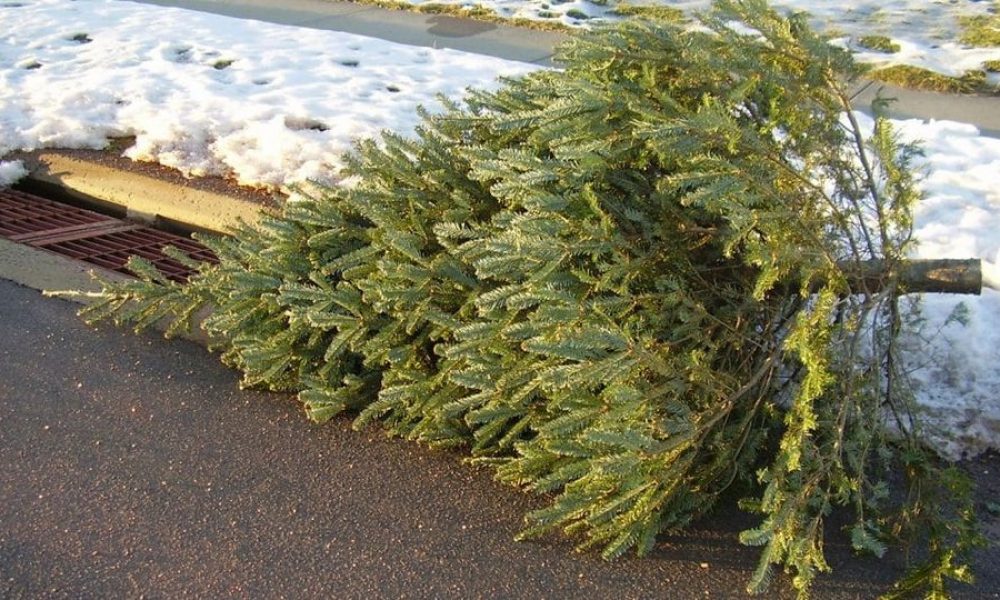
(931, 276)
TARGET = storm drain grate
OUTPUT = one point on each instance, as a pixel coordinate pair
(92, 237)
(22, 213)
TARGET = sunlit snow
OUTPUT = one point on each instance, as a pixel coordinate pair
(205, 94)
(11, 171)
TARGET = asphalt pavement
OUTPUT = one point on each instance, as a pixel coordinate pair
(404, 27)
(131, 466)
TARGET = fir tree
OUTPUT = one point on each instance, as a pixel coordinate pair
(624, 284)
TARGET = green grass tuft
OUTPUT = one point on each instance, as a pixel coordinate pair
(879, 43)
(917, 78)
(992, 66)
(981, 31)
(665, 13)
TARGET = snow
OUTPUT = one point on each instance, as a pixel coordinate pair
(991, 275)
(956, 378)
(206, 94)
(270, 105)
(11, 171)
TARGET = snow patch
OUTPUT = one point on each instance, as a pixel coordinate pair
(263, 104)
(11, 171)
(955, 353)
(991, 275)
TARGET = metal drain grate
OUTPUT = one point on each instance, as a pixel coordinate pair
(22, 213)
(90, 236)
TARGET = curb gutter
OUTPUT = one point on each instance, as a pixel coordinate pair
(141, 197)
(46, 271)
(42, 270)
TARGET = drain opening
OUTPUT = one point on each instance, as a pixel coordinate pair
(92, 237)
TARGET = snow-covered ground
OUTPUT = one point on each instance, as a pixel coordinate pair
(261, 103)
(269, 105)
(957, 377)
(926, 31)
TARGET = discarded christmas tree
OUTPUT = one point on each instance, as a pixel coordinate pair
(625, 284)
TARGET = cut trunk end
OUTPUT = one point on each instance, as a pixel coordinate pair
(921, 276)
(941, 276)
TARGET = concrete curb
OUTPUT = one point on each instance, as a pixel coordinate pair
(981, 111)
(141, 197)
(46, 271)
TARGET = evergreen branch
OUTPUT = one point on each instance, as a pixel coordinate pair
(626, 284)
